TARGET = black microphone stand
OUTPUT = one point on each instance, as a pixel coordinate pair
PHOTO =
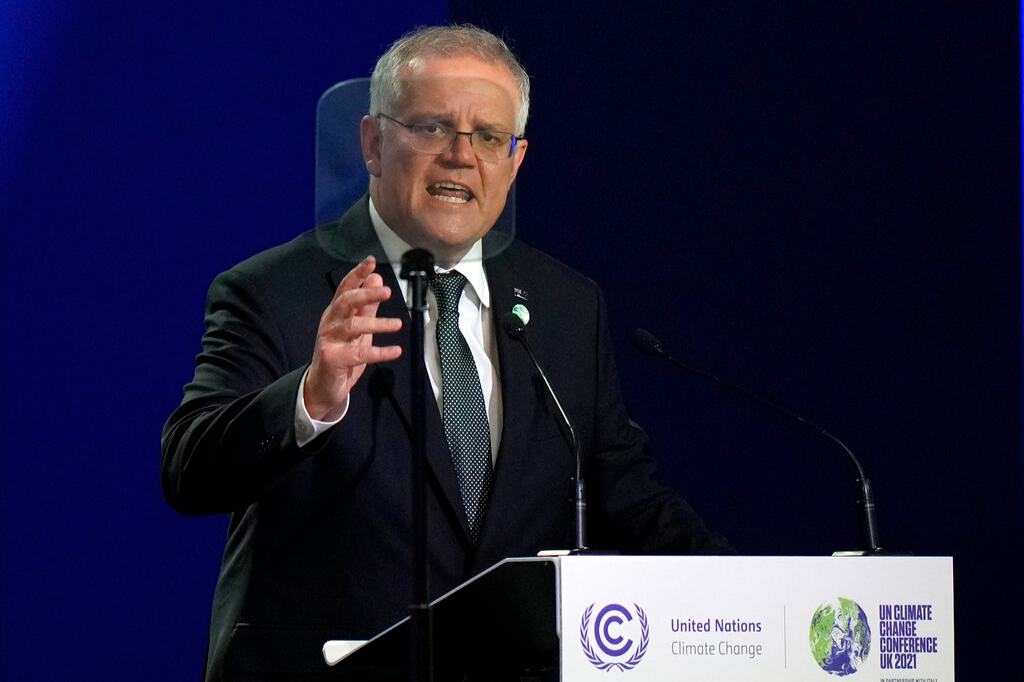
(417, 266)
(515, 328)
(647, 343)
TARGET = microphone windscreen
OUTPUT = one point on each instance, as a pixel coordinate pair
(512, 325)
(645, 342)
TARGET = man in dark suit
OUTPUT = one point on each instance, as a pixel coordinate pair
(297, 422)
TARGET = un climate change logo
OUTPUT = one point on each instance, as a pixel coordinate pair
(840, 636)
(621, 639)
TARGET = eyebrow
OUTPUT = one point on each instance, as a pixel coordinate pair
(445, 119)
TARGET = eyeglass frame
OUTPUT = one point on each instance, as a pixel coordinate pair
(515, 139)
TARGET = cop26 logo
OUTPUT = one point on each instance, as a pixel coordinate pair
(618, 639)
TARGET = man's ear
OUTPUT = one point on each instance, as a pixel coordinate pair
(517, 160)
(369, 140)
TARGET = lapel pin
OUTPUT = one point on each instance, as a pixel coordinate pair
(520, 293)
(522, 313)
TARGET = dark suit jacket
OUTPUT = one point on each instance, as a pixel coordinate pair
(318, 544)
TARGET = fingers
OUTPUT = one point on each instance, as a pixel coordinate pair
(362, 301)
(344, 341)
(342, 357)
(352, 313)
(357, 277)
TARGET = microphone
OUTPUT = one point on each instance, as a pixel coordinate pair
(515, 327)
(648, 344)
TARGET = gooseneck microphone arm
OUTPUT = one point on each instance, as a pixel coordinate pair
(515, 328)
(646, 343)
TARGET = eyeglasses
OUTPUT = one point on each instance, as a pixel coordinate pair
(437, 138)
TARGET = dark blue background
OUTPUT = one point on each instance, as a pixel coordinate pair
(820, 201)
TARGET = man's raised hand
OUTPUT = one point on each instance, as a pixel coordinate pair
(344, 341)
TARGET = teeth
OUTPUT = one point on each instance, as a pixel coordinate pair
(451, 186)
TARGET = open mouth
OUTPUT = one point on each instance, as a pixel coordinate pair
(451, 192)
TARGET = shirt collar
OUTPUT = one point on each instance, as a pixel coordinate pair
(471, 266)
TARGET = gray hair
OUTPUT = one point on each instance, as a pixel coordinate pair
(444, 41)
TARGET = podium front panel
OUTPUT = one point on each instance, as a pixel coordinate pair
(653, 619)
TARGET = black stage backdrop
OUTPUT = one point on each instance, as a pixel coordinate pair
(820, 201)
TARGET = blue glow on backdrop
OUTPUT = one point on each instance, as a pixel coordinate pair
(146, 147)
(30, 35)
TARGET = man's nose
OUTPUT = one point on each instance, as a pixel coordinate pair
(461, 151)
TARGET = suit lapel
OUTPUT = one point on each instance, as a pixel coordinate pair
(354, 238)
(517, 399)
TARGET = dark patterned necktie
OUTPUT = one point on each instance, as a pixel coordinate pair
(462, 403)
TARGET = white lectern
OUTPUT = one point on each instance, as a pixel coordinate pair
(652, 619)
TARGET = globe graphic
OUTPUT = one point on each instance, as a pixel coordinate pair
(840, 636)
